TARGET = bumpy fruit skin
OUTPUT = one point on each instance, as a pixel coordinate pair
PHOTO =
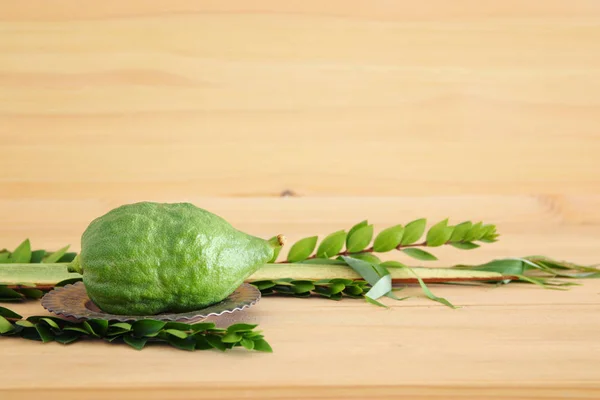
(148, 258)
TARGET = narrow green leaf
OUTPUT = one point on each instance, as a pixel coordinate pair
(57, 255)
(460, 230)
(353, 290)
(380, 288)
(302, 249)
(356, 227)
(5, 312)
(392, 264)
(363, 268)
(388, 239)
(22, 253)
(502, 266)
(147, 327)
(439, 234)
(137, 343)
(37, 256)
(241, 327)
(332, 245)
(67, 258)
(375, 302)
(464, 245)
(359, 239)
(215, 342)
(24, 323)
(368, 257)
(419, 254)
(32, 293)
(262, 345)
(413, 231)
(44, 332)
(201, 342)
(262, 285)
(5, 325)
(429, 294)
(247, 343)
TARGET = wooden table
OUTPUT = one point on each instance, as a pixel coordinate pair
(504, 343)
(302, 118)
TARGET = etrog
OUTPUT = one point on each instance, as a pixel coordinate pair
(148, 258)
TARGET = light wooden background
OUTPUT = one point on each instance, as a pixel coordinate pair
(386, 110)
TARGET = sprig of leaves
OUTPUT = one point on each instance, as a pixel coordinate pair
(23, 254)
(199, 336)
(406, 238)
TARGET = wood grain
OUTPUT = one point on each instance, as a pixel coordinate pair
(301, 118)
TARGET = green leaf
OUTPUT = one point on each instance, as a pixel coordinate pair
(57, 255)
(124, 326)
(363, 268)
(368, 257)
(7, 294)
(241, 327)
(4, 255)
(419, 254)
(464, 245)
(50, 322)
(392, 264)
(302, 249)
(201, 342)
(188, 344)
(359, 239)
(202, 326)
(276, 248)
(231, 337)
(380, 288)
(502, 266)
(356, 227)
(474, 233)
(67, 258)
(5, 325)
(375, 302)
(439, 234)
(332, 245)
(32, 293)
(215, 342)
(413, 231)
(147, 327)
(336, 288)
(44, 332)
(5, 312)
(327, 261)
(24, 323)
(247, 343)
(429, 294)
(176, 332)
(37, 256)
(262, 345)
(137, 343)
(76, 329)
(100, 326)
(86, 325)
(460, 231)
(22, 253)
(302, 286)
(262, 285)
(66, 337)
(388, 239)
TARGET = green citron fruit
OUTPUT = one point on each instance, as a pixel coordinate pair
(149, 258)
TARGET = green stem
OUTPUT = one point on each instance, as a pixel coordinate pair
(48, 275)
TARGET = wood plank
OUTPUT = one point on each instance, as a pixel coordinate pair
(389, 99)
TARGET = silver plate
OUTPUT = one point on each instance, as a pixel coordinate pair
(72, 302)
